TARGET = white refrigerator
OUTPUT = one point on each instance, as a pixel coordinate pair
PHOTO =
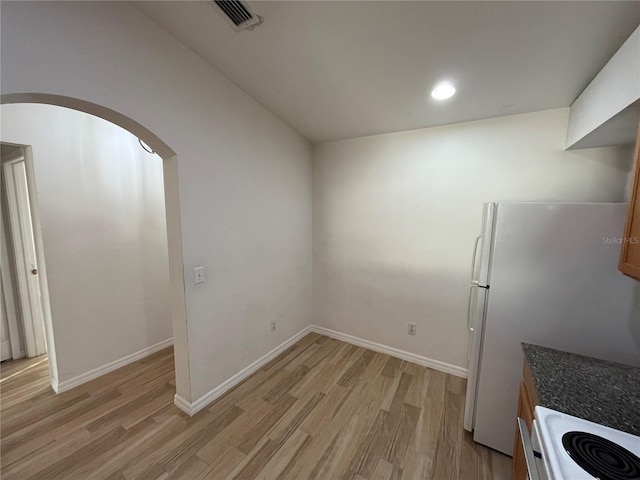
(547, 274)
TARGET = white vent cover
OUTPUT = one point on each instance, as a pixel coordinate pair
(238, 13)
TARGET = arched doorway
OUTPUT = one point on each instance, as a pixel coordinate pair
(174, 240)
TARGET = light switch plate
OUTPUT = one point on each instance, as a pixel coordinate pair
(198, 275)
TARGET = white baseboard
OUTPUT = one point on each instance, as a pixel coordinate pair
(193, 408)
(394, 352)
(60, 387)
(183, 405)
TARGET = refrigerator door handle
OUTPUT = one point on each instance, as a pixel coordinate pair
(472, 285)
(475, 254)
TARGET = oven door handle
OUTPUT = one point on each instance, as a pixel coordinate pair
(529, 456)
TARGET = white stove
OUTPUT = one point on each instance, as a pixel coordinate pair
(570, 448)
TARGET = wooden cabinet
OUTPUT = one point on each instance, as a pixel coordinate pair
(630, 252)
(527, 401)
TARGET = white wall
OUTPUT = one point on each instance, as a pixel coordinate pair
(101, 199)
(244, 176)
(613, 89)
(395, 217)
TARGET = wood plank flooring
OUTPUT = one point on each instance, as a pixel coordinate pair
(323, 409)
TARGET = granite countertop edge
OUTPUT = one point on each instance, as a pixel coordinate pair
(597, 390)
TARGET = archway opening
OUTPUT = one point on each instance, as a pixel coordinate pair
(173, 228)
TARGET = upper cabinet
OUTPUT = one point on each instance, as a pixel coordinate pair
(606, 113)
(630, 253)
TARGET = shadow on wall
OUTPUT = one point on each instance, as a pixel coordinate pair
(376, 301)
(622, 162)
(363, 292)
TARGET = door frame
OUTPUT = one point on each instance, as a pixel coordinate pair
(4, 320)
(38, 338)
(21, 232)
(17, 351)
(6, 267)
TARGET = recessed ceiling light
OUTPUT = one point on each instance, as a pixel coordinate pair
(443, 91)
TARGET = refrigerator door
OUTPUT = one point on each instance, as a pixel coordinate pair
(480, 269)
(478, 289)
(554, 282)
(478, 306)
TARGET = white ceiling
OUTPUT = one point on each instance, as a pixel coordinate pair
(335, 70)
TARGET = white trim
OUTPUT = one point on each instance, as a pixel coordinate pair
(34, 204)
(193, 408)
(54, 385)
(183, 405)
(394, 352)
(60, 387)
(17, 350)
(9, 300)
(25, 256)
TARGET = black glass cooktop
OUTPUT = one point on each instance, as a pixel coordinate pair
(601, 458)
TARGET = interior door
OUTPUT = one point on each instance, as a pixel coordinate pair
(25, 256)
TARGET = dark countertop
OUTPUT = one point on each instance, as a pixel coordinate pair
(602, 392)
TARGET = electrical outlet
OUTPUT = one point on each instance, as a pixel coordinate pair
(273, 326)
(412, 328)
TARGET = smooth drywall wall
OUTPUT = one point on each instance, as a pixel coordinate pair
(101, 201)
(244, 176)
(396, 215)
(616, 87)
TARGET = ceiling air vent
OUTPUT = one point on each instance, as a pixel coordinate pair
(238, 14)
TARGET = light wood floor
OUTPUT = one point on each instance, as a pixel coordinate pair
(324, 409)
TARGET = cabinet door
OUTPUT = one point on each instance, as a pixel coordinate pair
(525, 411)
(630, 252)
